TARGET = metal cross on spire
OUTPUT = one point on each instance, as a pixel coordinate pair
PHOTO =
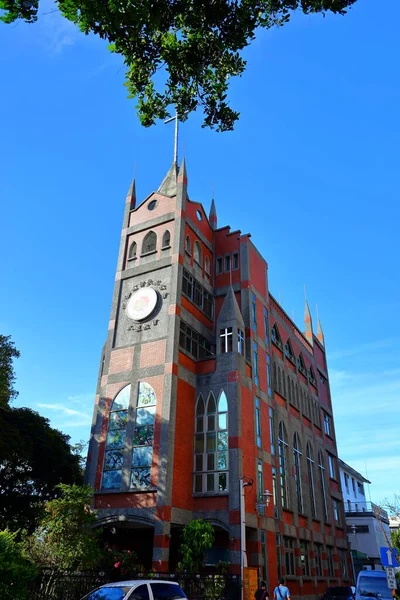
(175, 118)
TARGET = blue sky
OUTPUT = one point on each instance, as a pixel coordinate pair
(311, 170)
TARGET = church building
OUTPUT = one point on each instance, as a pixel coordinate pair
(209, 394)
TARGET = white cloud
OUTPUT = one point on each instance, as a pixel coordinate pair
(80, 417)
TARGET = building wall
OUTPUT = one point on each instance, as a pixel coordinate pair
(264, 387)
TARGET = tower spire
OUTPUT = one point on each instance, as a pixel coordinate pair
(320, 333)
(213, 215)
(308, 323)
(131, 195)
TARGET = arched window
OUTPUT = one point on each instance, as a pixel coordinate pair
(143, 437)
(207, 267)
(149, 243)
(197, 253)
(297, 455)
(275, 336)
(166, 241)
(311, 477)
(289, 389)
(301, 366)
(284, 384)
(132, 251)
(289, 351)
(211, 445)
(279, 381)
(274, 376)
(187, 245)
(115, 442)
(282, 455)
(321, 469)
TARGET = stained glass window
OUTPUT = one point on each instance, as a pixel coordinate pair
(143, 437)
(211, 445)
(116, 438)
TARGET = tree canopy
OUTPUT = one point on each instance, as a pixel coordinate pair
(196, 44)
(8, 352)
(34, 459)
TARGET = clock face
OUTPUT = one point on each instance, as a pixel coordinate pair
(142, 304)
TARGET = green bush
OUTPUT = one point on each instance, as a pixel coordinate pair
(16, 571)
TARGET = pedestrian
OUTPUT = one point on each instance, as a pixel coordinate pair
(262, 592)
(281, 592)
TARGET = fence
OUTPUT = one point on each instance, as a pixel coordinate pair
(53, 584)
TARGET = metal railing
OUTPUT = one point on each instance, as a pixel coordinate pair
(52, 584)
(365, 507)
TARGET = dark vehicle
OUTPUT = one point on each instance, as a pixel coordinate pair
(144, 589)
(339, 592)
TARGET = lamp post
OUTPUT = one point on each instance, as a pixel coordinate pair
(244, 482)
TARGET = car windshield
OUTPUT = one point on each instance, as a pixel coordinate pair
(111, 593)
(339, 590)
(374, 587)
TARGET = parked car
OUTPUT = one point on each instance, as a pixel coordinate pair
(339, 592)
(142, 589)
(372, 584)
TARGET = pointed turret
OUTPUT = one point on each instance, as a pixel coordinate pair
(131, 195)
(169, 183)
(308, 323)
(213, 216)
(181, 188)
(320, 334)
(230, 311)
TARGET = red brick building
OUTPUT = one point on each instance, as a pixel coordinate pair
(205, 381)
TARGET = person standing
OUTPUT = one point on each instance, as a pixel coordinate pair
(262, 592)
(281, 592)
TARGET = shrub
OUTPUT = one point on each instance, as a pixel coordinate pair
(16, 571)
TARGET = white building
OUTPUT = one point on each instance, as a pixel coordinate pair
(367, 524)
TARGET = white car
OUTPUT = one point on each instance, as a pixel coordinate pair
(142, 589)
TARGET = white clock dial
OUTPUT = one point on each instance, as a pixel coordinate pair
(142, 304)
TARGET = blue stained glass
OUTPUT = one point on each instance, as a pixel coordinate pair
(142, 456)
(121, 400)
(223, 440)
(143, 436)
(146, 396)
(118, 420)
(116, 439)
(114, 459)
(111, 480)
(145, 416)
(140, 478)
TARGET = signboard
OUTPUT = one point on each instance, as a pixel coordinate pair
(389, 557)
(391, 577)
(250, 582)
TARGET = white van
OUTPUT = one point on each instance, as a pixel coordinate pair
(372, 584)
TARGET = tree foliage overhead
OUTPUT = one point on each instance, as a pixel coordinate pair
(34, 459)
(197, 44)
(8, 352)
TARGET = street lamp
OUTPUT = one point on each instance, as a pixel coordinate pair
(265, 498)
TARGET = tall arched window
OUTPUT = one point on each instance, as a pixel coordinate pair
(115, 443)
(297, 455)
(211, 445)
(207, 267)
(149, 243)
(310, 470)
(143, 437)
(282, 454)
(166, 240)
(187, 245)
(197, 253)
(132, 251)
(321, 469)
